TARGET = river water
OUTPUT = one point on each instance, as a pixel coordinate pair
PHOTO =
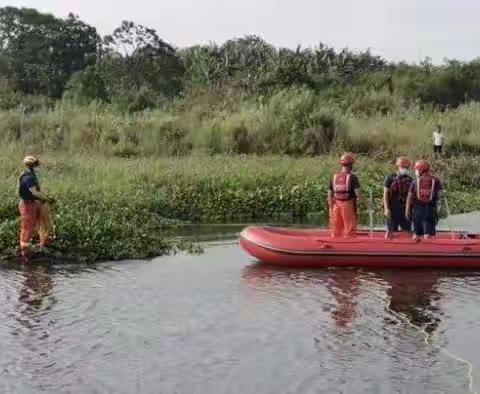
(220, 323)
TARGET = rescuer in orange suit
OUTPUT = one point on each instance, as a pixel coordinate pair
(31, 205)
(344, 192)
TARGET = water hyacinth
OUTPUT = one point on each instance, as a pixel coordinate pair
(113, 208)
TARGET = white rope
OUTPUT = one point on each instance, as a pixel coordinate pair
(427, 340)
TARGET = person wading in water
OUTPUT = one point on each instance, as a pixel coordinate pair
(32, 207)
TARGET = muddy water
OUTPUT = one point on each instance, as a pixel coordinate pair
(220, 323)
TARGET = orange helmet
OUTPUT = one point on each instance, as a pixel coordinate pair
(31, 161)
(347, 159)
(422, 166)
(403, 162)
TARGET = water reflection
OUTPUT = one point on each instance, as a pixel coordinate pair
(35, 295)
(37, 286)
(345, 288)
(413, 294)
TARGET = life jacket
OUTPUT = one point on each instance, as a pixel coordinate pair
(22, 191)
(400, 187)
(426, 188)
(342, 186)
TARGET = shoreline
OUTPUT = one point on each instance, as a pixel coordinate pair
(131, 208)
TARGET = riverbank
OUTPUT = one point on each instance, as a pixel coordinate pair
(117, 208)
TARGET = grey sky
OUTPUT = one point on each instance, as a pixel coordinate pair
(395, 29)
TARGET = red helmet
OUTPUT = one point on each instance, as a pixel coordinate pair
(422, 166)
(403, 162)
(347, 159)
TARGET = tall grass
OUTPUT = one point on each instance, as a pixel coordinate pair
(292, 122)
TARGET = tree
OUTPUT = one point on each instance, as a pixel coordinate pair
(43, 51)
(259, 67)
(146, 59)
(204, 64)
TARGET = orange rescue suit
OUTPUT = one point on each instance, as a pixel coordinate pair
(343, 215)
(35, 220)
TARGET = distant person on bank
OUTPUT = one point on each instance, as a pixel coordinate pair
(438, 141)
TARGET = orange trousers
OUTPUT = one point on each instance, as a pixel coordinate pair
(343, 219)
(30, 221)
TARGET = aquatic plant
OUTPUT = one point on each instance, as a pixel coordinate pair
(112, 208)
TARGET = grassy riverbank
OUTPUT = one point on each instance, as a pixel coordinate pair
(127, 207)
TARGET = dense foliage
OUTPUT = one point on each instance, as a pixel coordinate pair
(40, 53)
(135, 69)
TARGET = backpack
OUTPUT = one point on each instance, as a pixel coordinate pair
(400, 187)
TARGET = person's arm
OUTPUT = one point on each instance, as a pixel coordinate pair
(386, 201)
(439, 190)
(41, 196)
(386, 196)
(330, 201)
(409, 203)
(361, 199)
(408, 208)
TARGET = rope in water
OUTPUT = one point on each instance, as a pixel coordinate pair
(428, 337)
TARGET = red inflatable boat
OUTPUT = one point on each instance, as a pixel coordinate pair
(313, 248)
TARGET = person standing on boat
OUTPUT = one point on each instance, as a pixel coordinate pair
(423, 197)
(344, 191)
(395, 194)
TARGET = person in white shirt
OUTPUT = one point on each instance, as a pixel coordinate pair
(438, 140)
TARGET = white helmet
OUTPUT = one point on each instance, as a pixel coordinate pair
(31, 161)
